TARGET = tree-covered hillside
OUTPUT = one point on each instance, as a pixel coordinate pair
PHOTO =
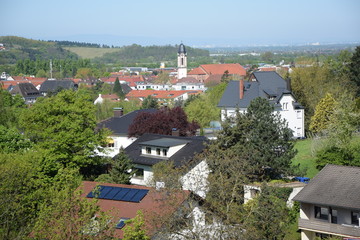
(18, 48)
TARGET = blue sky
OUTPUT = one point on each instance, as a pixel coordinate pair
(195, 22)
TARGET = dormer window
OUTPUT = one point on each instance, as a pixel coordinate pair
(148, 150)
(158, 151)
(164, 152)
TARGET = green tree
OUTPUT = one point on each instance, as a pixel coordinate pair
(134, 229)
(12, 141)
(225, 77)
(21, 189)
(117, 89)
(162, 78)
(266, 216)
(10, 108)
(67, 215)
(355, 68)
(203, 109)
(120, 168)
(323, 111)
(150, 102)
(64, 127)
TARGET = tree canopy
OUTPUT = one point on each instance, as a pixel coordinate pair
(163, 122)
(63, 126)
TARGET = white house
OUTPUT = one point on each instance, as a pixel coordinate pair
(150, 149)
(330, 204)
(269, 85)
(119, 125)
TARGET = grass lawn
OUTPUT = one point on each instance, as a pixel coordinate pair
(86, 52)
(305, 157)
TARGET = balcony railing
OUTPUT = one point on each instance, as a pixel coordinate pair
(330, 228)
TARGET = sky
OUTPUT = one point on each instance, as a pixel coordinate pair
(193, 22)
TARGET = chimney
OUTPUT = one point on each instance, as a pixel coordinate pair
(241, 88)
(118, 112)
(288, 83)
(175, 132)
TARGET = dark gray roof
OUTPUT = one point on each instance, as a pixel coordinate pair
(54, 85)
(267, 85)
(120, 125)
(164, 142)
(182, 49)
(334, 185)
(125, 88)
(26, 90)
(183, 156)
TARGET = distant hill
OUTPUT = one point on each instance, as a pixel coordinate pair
(149, 54)
(18, 48)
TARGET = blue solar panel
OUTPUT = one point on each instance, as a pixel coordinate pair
(121, 223)
(105, 191)
(118, 193)
(121, 194)
(95, 192)
(112, 193)
(139, 195)
(130, 195)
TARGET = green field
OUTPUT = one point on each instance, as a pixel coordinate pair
(89, 53)
(305, 157)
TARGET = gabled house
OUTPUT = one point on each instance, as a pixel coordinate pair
(160, 95)
(269, 85)
(203, 72)
(27, 91)
(330, 204)
(119, 126)
(150, 149)
(53, 86)
(122, 202)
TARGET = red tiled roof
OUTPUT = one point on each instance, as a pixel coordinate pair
(160, 94)
(214, 78)
(197, 71)
(233, 68)
(154, 205)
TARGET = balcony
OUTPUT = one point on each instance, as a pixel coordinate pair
(329, 228)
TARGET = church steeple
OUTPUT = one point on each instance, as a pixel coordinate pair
(182, 62)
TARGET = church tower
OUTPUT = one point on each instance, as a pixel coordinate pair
(182, 62)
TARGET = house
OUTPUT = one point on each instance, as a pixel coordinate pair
(150, 149)
(203, 72)
(330, 204)
(27, 91)
(269, 85)
(53, 86)
(122, 202)
(160, 95)
(119, 125)
(111, 97)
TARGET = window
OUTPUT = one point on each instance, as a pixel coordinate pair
(182, 61)
(139, 173)
(164, 152)
(148, 150)
(158, 151)
(121, 223)
(333, 216)
(321, 213)
(355, 218)
(298, 114)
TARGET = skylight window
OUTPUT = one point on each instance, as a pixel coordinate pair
(121, 223)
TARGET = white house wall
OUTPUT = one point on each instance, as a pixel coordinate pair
(196, 179)
(294, 117)
(119, 142)
(147, 178)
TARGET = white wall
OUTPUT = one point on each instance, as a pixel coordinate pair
(196, 179)
(148, 174)
(119, 141)
(294, 117)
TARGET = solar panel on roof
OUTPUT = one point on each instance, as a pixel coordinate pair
(112, 193)
(121, 194)
(139, 195)
(118, 193)
(130, 195)
(104, 192)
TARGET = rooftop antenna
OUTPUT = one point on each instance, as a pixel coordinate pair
(51, 69)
